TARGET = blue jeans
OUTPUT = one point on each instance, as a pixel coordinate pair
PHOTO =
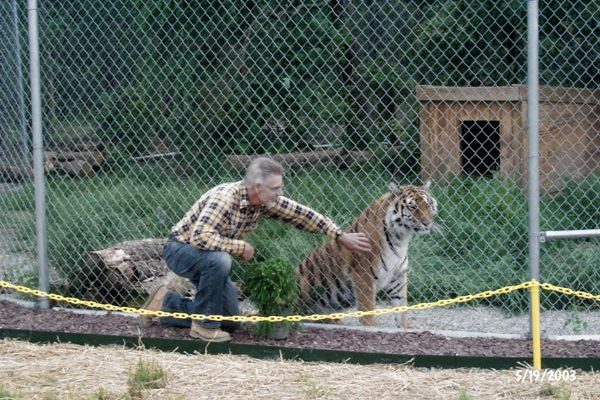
(209, 272)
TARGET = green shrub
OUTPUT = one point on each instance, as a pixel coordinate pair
(272, 287)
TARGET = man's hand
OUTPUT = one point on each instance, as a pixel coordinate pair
(248, 252)
(355, 242)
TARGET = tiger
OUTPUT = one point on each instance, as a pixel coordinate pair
(332, 278)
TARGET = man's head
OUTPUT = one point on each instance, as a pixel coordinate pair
(264, 180)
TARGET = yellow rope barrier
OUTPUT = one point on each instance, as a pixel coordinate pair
(570, 292)
(271, 318)
(532, 284)
(298, 318)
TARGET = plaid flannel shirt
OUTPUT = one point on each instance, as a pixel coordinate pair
(222, 216)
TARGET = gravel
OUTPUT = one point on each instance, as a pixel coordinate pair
(486, 321)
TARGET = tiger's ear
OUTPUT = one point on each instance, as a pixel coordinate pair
(427, 184)
(392, 187)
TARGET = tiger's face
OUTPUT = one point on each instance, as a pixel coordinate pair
(412, 210)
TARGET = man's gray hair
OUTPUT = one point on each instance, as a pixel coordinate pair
(260, 169)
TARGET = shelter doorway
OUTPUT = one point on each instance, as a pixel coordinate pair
(480, 147)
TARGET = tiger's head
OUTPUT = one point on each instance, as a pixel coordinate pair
(412, 210)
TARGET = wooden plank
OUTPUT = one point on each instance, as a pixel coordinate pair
(426, 142)
(509, 144)
(568, 95)
(506, 93)
(483, 93)
(452, 136)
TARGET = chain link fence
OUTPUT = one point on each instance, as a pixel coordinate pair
(148, 104)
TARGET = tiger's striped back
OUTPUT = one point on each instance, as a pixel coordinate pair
(332, 278)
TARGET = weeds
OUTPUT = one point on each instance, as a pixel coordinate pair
(578, 325)
(312, 389)
(560, 392)
(146, 375)
(103, 394)
(463, 395)
(6, 395)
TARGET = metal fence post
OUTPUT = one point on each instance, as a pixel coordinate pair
(533, 163)
(38, 150)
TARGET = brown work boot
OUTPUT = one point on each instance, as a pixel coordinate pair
(154, 303)
(208, 335)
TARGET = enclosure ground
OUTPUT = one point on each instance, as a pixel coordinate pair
(16, 316)
(67, 371)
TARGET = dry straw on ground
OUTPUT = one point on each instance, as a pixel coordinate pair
(66, 371)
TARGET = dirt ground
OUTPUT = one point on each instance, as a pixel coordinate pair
(13, 316)
(67, 371)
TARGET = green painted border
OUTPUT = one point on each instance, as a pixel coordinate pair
(290, 353)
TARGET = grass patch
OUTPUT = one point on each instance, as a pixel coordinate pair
(312, 389)
(145, 375)
(481, 242)
(559, 392)
(463, 395)
(7, 395)
(104, 394)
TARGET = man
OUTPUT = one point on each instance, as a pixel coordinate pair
(201, 245)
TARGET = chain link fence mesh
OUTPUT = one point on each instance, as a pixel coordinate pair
(17, 260)
(148, 104)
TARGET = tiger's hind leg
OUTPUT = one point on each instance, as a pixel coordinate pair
(400, 299)
(364, 291)
(397, 291)
(404, 302)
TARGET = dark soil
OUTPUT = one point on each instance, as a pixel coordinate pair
(14, 316)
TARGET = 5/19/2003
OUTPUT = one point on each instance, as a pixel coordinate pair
(546, 375)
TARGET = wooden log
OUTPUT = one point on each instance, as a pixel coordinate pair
(290, 160)
(78, 159)
(94, 158)
(79, 168)
(85, 145)
(131, 265)
(10, 173)
(317, 159)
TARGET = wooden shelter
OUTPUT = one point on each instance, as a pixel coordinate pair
(483, 131)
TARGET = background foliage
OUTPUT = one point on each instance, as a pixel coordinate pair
(218, 72)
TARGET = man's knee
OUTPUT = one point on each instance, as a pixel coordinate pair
(222, 261)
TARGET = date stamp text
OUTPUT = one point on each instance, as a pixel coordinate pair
(545, 375)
